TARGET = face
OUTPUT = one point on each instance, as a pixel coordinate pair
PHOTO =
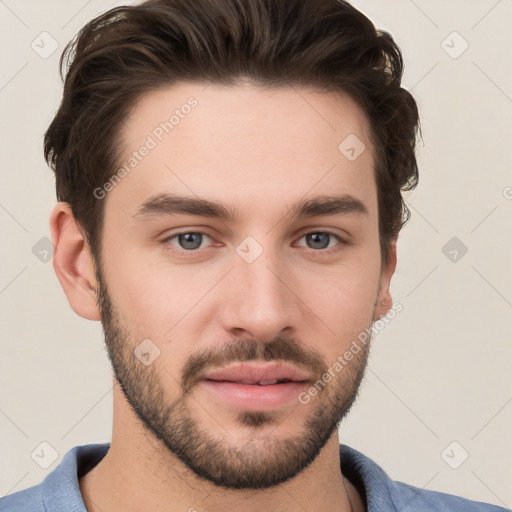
(205, 306)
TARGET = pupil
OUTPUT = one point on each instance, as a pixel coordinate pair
(189, 240)
(315, 237)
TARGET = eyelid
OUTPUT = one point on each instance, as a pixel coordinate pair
(342, 241)
(340, 233)
(168, 238)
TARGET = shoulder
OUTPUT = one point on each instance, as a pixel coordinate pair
(408, 498)
(27, 500)
(60, 490)
(382, 494)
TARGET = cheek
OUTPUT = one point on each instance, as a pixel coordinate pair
(344, 301)
(342, 297)
(157, 297)
(153, 301)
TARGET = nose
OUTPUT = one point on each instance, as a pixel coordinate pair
(260, 301)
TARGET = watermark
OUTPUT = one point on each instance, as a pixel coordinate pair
(44, 454)
(44, 45)
(43, 249)
(455, 455)
(455, 45)
(249, 250)
(152, 140)
(454, 249)
(355, 347)
(352, 147)
(146, 352)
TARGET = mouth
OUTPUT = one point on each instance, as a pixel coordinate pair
(255, 387)
(261, 374)
(257, 383)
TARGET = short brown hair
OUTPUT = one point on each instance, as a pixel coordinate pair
(130, 51)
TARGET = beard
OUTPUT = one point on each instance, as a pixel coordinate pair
(264, 460)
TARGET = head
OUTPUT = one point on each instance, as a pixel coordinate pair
(267, 109)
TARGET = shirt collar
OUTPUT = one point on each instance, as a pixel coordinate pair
(61, 489)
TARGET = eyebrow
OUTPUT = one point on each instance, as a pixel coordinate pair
(164, 204)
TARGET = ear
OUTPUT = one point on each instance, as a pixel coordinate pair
(73, 263)
(384, 300)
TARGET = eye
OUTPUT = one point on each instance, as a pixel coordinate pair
(320, 240)
(190, 241)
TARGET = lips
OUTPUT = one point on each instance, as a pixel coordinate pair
(257, 374)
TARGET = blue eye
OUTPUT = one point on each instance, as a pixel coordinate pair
(191, 241)
(188, 241)
(320, 238)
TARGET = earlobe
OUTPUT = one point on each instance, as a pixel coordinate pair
(73, 263)
(384, 299)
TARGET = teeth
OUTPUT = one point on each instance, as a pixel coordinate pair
(266, 382)
(259, 382)
(262, 382)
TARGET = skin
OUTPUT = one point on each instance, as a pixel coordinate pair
(260, 151)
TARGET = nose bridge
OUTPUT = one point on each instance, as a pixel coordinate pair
(261, 300)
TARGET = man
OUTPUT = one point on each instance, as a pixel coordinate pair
(229, 176)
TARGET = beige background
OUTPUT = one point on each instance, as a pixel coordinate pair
(439, 373)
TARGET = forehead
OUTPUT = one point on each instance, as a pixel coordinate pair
(250, 145)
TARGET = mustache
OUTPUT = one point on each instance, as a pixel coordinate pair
(243, 350)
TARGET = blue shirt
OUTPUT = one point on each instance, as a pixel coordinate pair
(60, 492)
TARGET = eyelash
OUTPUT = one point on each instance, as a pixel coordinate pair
(328, 250)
